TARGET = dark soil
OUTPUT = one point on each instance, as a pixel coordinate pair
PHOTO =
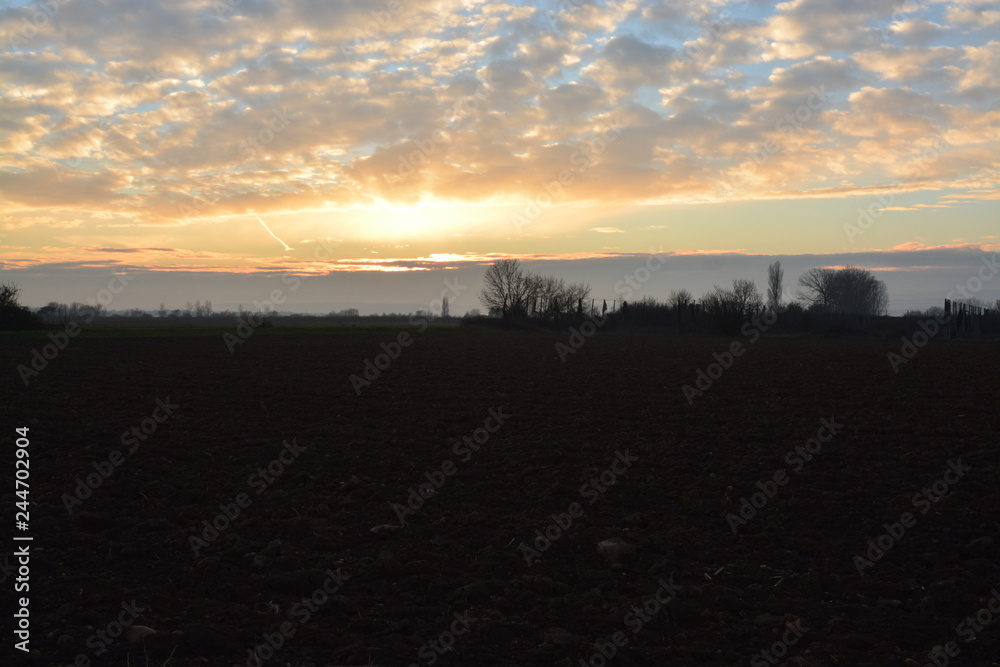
(453, 585)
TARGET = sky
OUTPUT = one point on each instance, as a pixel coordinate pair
(384, 152)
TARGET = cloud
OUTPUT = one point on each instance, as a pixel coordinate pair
(175, 114)
(132, 250)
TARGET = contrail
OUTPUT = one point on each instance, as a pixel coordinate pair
(287, 247)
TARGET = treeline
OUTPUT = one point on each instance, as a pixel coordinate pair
(61, 313)
(16, 317)
(514, 294)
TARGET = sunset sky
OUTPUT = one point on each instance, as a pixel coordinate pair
(209, 147)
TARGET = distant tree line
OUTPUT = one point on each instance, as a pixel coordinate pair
(511, 293)
(14, 316)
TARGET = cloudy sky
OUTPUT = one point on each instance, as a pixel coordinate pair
(210, 147)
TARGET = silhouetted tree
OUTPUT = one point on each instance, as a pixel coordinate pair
(679, 299)
(934, 311)
(505, 288)
(13, 315)
(851, 291)
(730, 308)
(575, 293)
(508, 289)
(8, 295)
(775, 286)
(817, 287)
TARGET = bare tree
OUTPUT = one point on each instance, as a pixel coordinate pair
(445, 310)
(537, 292)
(679, 299)
(509, 289)
(200, 309)
(730, 308)
(8, 295)
(746, 298)
(574, 293)
(505, 288)
(775, 285)
(817, 287)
